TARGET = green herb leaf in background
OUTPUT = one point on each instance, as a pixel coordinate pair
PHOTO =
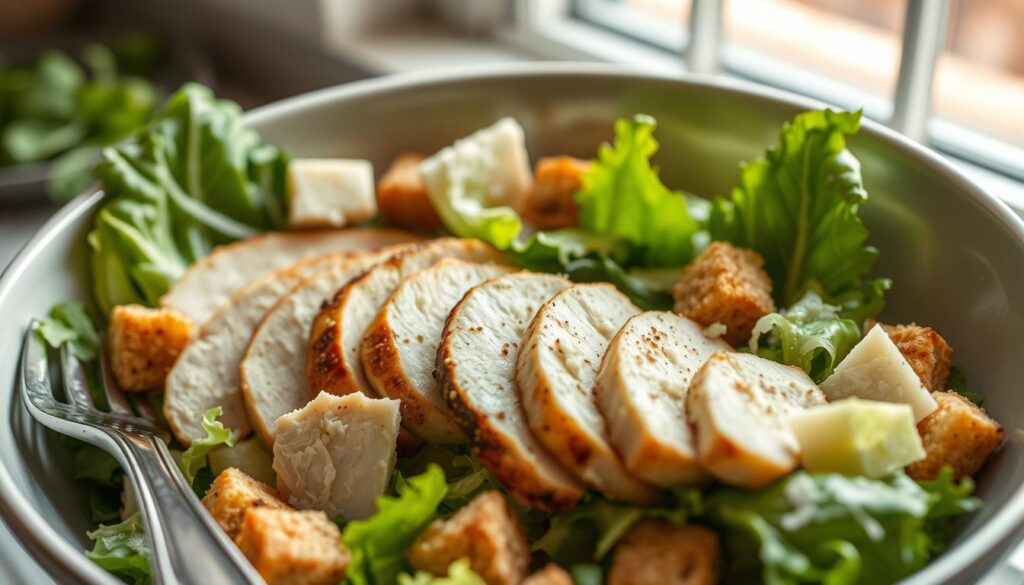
(192, 179)
(379, 543)
(828, 528)
(122, 549)
(797, 206)
(810, 335)
(56, 109)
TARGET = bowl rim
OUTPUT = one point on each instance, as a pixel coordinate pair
(57, 556)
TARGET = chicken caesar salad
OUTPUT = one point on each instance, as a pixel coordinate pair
(481, 368)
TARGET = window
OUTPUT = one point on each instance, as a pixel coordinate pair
(848, 52)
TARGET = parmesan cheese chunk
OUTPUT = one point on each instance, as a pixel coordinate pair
(330, 193)
(876, 370)
(337, 454)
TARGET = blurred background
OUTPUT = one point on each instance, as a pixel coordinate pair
(78, 74)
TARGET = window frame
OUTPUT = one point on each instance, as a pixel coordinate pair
(557, 29)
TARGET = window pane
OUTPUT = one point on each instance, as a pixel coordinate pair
(980, 79)
(656, 22)
(856, 42)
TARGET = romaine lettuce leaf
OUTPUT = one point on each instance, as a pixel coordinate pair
(797, 206)
(828, 528)
(459, 573)
(195, 457)
(122, 549)
(810, 335)
(379, 543)
(588, 532)
(193, 178)
(622, 196)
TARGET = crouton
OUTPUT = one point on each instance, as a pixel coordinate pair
(486, 532)
(551, 202)
(926, 351)
(725, 285)
(144, 343)
(658, 553)
(402, 196)
(958, 433)
(288, 547)
(552, 574)
(233, 493)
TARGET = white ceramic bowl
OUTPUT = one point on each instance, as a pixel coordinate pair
(955, 253)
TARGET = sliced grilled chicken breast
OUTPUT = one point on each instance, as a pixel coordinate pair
(737, 404)
(641, 391)
(206, 373)
(400, 346)
(338, 330)
(211, 281)
(337, 454)
(556, 372)
(476, 369)
(273, 367)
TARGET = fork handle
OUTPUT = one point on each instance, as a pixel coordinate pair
(188, 547)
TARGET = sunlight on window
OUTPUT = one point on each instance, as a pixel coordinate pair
(980, 78)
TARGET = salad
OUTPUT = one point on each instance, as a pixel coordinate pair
(472, 369)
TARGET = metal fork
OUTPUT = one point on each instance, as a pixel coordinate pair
(187, 546)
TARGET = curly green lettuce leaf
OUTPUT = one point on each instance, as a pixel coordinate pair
(829, 528)
(797, 206)
(623, 196)
(122, 549)
(69, 323)
(810, 335)
(379, 543)
(192, 179)
(195, 457)
(459, 573)
(589, 531)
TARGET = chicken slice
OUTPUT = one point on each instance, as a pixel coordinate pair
(556, 371)
(206, 373)
(641, 391)
(273, 367)
(400, 346)
(337, 454)
(211, 281)
(476, 368)
(337, 333)
(737, 404)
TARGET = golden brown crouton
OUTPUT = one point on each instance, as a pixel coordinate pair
(144, 343)
(233, 493)
(658, 553)
(958, 433)
(486, 532)
(725, 285)
(551, 202)
(402, 197)
(552, 574)
(926, 351)
(289, 547)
